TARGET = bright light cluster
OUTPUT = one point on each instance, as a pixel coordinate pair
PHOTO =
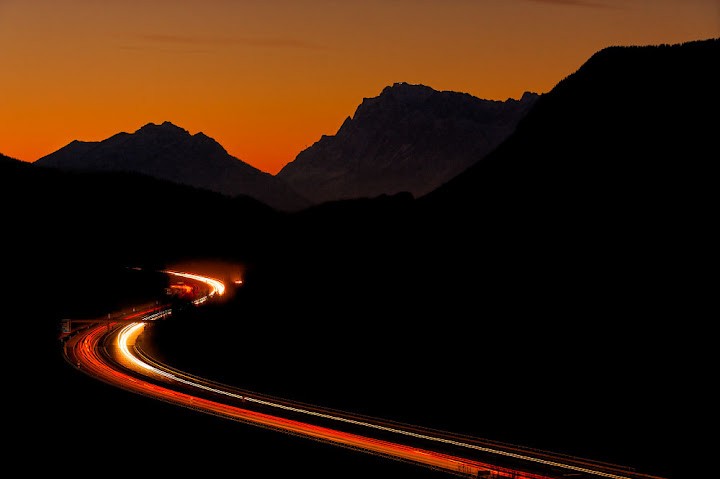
(216, 287)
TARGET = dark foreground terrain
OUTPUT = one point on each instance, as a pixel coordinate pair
(593, 399)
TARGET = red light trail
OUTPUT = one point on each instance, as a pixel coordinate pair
(108, 352)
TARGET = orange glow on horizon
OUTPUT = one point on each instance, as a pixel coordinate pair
(268, 79)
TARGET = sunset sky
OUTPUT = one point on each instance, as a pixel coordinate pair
(267, 78)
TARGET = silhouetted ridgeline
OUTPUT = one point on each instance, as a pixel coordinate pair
(605, 185)
(7, 159)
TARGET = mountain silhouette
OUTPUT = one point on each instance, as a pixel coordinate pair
(627, 129)
(169, 152)
(410, 138)
(602, 195)
(625, 142)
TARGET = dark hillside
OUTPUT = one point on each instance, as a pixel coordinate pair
(63, 259)
(520, 300)
(606, 182)
(64, 224)
(631, 125)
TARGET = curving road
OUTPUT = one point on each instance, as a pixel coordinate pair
(111, 351)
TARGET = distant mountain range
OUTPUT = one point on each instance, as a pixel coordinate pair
(410, 138)
(171, 153)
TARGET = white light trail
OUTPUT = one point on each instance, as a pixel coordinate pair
(133, 330)
(215, 285)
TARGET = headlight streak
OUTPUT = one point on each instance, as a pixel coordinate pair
(133, 330)
(95, 364)
(368, 424)
(129, 332)
(215, 285)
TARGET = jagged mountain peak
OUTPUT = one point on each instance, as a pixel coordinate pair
(409, 138)
(397, 95)
(169, 152)
(407, 91)
(165, 127)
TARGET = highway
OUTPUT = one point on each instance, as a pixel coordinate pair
(111, 351)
